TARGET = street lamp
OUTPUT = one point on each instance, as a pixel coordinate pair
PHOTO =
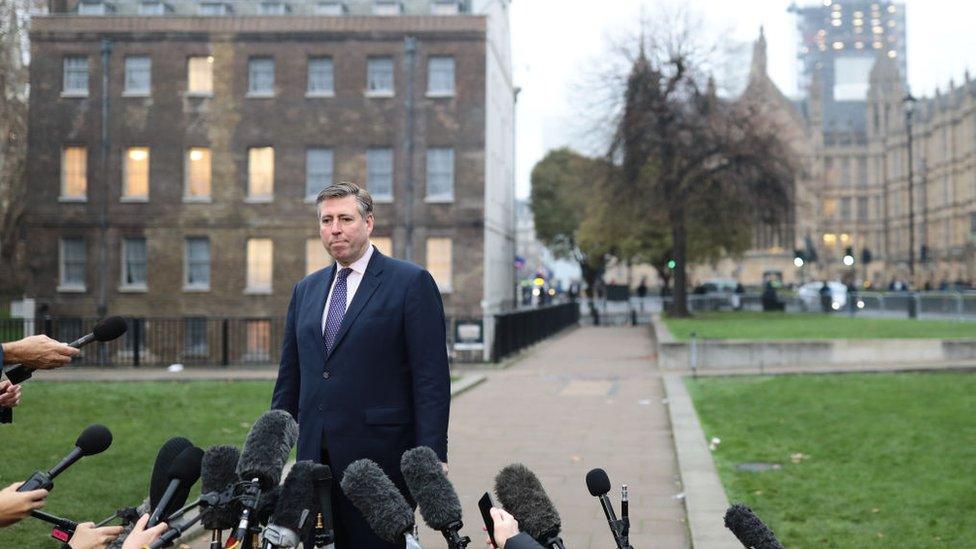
(909, 104)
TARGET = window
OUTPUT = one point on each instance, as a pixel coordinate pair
(195, 342)
(862, 208)
(260, 174)
(320, 80)
(138, 78)
(197, 270)
(439, 262)
(213, 8)
(260, 73)
(445, 7)
(440, 175)
(379, 76)
(384, 245)
(273, 8)
(440, 76)
(198, 175)
(152, 8)
(330, 8)
(135, 174)
(829, 207)
(258, 347)
(379, 173)
(259, 265)
(845, 208)
(386, 7)
(830, 172)
(75, 76)
(316, 258)
(134, 263)
(91, 8)
(862, 171)
(845, 171)
(318, 171)
(200, 75)
(972, 223)
(73, 264)
(74, 174)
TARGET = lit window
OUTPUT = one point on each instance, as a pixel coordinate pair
(195, 342)
(197, 266)
(379, 76)
(379, 173)
(892, 54)
(273, 8)
(320, 76)
(91, 8)
(440, 76)
(138, 77)
(135, 174)
(259, 265)
(200, 75)
(829, 207)
(330, 8)
(198, 173)
(152, 8)
(318, 171)
(384, 245)
(75, 76)
(386, 7)
(838, 45)
(260, 173)
(74, 173)
(73, 264)
(260, 76)
(316, 258)
(134, 263)
(439, 257)
(440, 174)
(213, 8)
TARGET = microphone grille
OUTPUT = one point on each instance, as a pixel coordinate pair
(109, 328)
(95, 439)
(597, 482)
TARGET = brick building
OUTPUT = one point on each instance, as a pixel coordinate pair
(175, 152)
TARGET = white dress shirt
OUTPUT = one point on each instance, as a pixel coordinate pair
(352, 281)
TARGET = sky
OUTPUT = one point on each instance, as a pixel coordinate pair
(556, 43)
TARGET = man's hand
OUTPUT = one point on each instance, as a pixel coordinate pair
(9, 394)
(140, 537)
(15, 505)
(39, 352)
(89, 537)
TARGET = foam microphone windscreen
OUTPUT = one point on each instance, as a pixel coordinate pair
(267, 503)
(160, 473)
(95, 439)
(267, 447)
(597, 482)
(186, 468)
(377, 498)
(434, 494)
(749, 529)
(297, 495)
(522, 495)
(218, 471)
(109, 329)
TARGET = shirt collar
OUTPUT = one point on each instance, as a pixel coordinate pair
(359, 266)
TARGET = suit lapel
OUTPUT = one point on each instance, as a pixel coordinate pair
(371, 280)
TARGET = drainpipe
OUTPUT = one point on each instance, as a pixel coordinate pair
(410, 46)
(102, 308)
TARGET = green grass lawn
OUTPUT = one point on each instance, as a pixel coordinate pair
(141, 416)
(755, 325)
(888, 460)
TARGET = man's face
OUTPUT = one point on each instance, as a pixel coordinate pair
(345, 234)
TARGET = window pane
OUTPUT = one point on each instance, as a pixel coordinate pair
(320, 75)
(136, 173)
(213, 8)
(200, 75)
(152, 8)
(259, 265)
(439, 251)
(261, 76)
(73, 262)
(384, 245)
(379, 173)
(76, 74)
(440, 75)
(198, 262)
(258, 340)
(74, 172)
(440, 174)
(91, 8)
(138, 74)
(198, 172)
(330, 8)
(273, 8)
(318, 171)
(379, 75)
(260, 172)
(316, 257)
(386, 7)
(195, 342)
(134, 261)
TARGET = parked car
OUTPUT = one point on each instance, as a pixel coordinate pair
(809, 295)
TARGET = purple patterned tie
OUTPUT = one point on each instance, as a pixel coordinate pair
(337, 309)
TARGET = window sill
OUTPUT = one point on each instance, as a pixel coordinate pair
(319, 94)
(71, 289)
(134, 199)
(199, 95)
(440, 95)
(136, 94)
(196, 289)
(141, 289)
(379, 94)
(197, 199)
(258, 199)
(73, 199)
(445, 289)
(383, 199)
(260, 95)
(74, 94)
(257, 291)
(439, 199)
(311, 199)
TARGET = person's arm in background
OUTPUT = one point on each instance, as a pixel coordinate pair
(15, 506)
(38, 351)
(507, 534)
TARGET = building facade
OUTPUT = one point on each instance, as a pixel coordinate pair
(175, 153)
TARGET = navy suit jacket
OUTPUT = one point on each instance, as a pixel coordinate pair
(386, 387)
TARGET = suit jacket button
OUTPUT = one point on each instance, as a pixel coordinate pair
(326, 375)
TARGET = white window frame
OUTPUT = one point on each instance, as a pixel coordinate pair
(330, 91)
(372, 82)
(212, 9)
(333, 8)
(61, 196)
(311, 192)
(150, 7)
(124, 196)
(259, 198)
(66, 61)
(387, 7)
(250, 286)
(370, 183)
(71, 287)
(209, 60)
(272, 7)
(124, 266)
(447, 196)
(253, 64)
(130, 68)
(187, 161)
(434, 60)
(96, 7)
(188, 263)
(445, 287)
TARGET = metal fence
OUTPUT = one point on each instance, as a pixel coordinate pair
(519, 329)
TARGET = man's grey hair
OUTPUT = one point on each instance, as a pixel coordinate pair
(343, 189)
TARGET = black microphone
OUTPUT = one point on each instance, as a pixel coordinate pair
(598, 483)
(749, 529)
(63, 529)
(183, 474)
(324, 534)
(434, 494)
(522, 495)
(218, 473)
(265, 451)
(95, 439)
(381, 504)
(106, 330)
(290, 521)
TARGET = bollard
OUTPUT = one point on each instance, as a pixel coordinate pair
(633, 317)
(693, 355)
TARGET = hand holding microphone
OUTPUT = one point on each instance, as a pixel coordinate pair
(16, 505)
(41, 352)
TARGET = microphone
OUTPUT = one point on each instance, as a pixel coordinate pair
(106, 330)
(749, 529)
(381, 504)
(323, 533)
(521, 493)
(182, 475)
(63, 529)
(265, 451)
(95, 439)
(218, 473)
(289, 522)
(598, 483)
(434, 494)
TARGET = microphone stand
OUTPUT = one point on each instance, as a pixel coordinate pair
(454, 539)
(619, 528)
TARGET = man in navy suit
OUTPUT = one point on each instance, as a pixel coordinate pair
(364, 359)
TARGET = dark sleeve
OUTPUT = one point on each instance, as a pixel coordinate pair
(426, 339)
(522, 541)
(289, 377)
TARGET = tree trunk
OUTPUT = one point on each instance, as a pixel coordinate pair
(679, 241)
(590, 276)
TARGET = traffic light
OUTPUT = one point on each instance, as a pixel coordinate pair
(798, 258)
(848, 256)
